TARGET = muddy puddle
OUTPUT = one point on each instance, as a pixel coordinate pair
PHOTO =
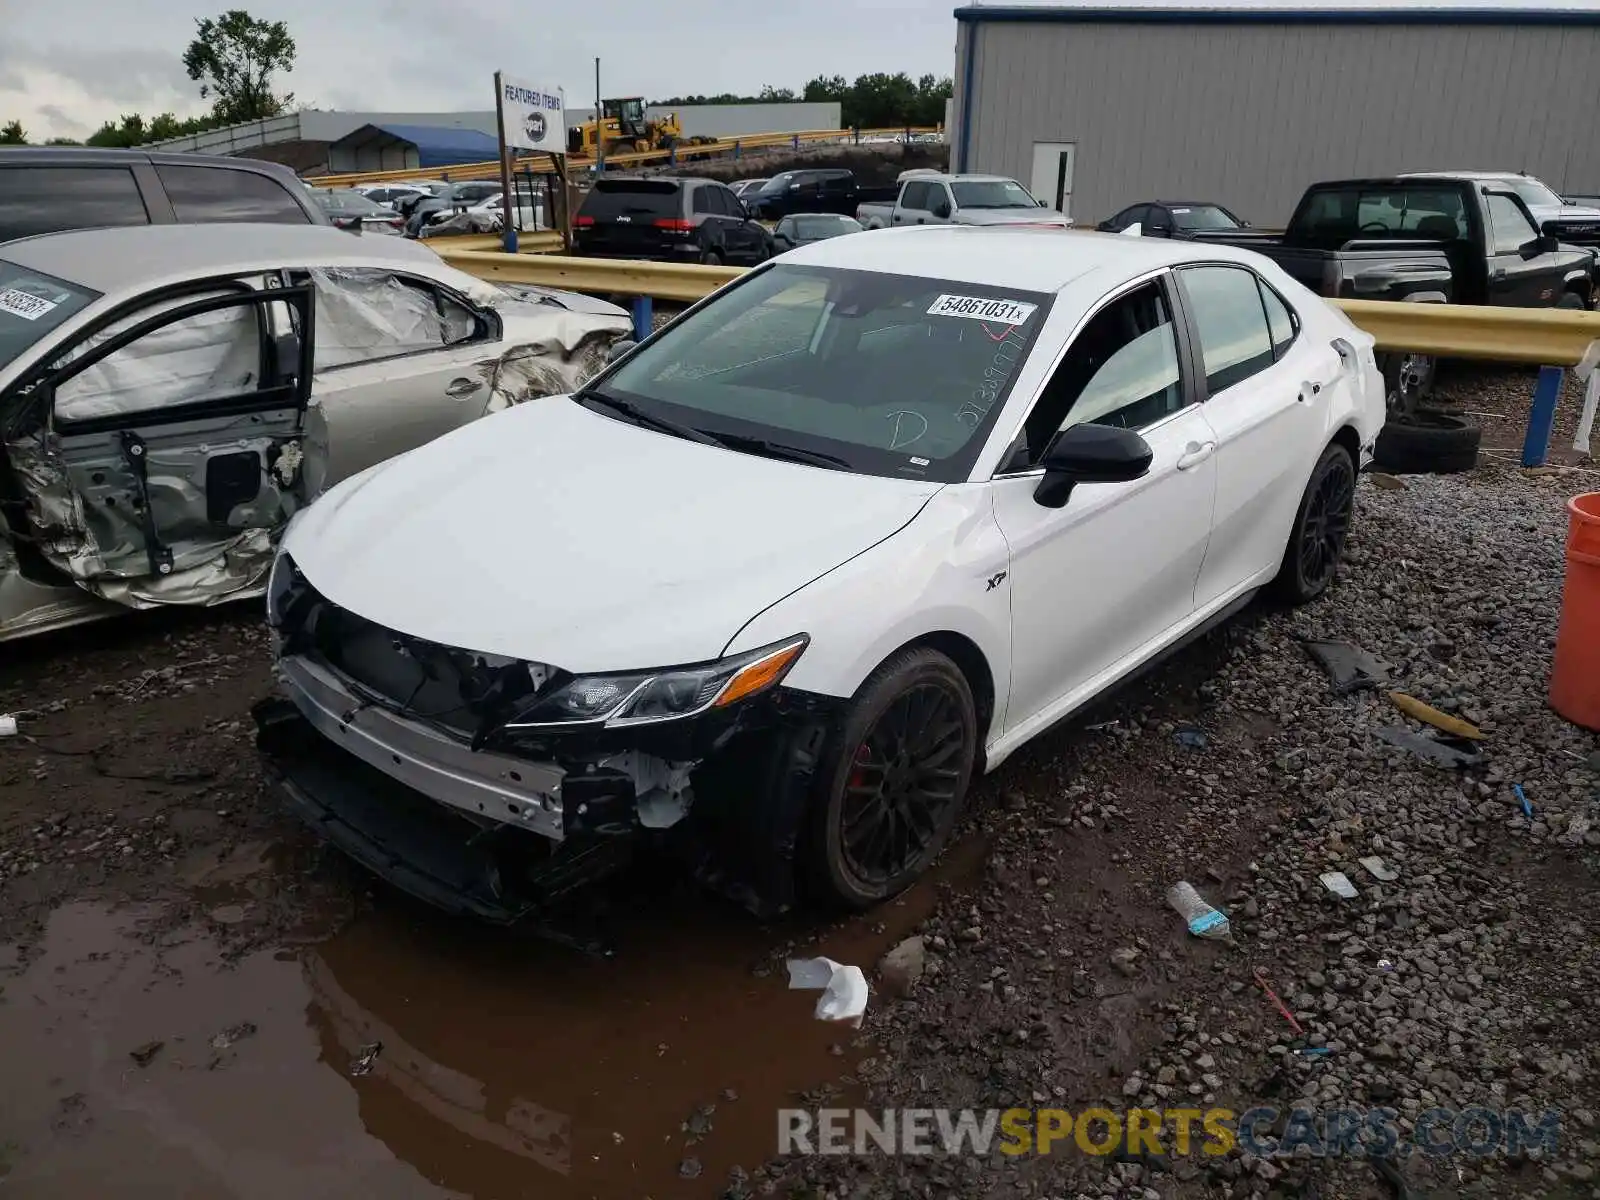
(146, 1060)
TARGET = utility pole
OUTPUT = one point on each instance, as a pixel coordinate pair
(599, 123)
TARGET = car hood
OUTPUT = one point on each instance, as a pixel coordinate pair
(555, 534)
(1012, 216)
(1565, 212)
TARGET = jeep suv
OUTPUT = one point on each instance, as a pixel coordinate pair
(669, 220)
(47, 189)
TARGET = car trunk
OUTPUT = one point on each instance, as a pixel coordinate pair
(619, 216)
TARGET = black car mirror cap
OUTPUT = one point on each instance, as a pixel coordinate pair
(618, 349)
(1545, 243)
(1090, 453)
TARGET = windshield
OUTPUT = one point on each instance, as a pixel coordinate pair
(31, 305)
(998, 193)
(1533, 193)
(1202, 216)
(823, 225)
(894, 374)
(351, 204)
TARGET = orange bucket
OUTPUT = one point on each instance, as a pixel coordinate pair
(1575, 678)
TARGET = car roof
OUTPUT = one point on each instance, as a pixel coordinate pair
(1463, 175)
(82, 156)
(1034, 260)
(116, 259)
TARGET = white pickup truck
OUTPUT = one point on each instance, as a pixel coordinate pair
(935, 199)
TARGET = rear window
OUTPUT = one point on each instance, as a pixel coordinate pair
(1201, 216)
(202, 195)
(897, 375)
(1341, 214)
(50, 199)
(31, 305)
(612, 198)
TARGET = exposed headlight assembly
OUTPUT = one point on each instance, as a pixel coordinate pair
(647, 697)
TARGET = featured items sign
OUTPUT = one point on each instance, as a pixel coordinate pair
(532, 118)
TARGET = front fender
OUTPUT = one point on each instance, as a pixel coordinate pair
(945, 572)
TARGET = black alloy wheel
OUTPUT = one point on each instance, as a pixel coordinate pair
(895, 779)
(1316, 543)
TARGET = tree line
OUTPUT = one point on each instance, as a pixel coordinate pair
(233, 58)
(875, 101)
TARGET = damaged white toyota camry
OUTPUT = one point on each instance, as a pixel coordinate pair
(783, 578)
(170, 394)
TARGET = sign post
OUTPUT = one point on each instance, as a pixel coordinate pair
(531, 119)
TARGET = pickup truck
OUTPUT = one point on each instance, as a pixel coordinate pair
(1442, 239)
(935, 199)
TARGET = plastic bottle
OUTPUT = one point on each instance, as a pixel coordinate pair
(1204, 921)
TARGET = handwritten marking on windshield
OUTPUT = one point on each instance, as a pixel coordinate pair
(899, 418)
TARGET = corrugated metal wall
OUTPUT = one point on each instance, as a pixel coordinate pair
(1249, 114)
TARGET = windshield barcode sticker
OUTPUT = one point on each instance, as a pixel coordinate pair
(981, 308)
(24, 305)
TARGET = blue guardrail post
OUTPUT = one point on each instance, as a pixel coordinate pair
(641, 318)
(509, 241)
(1542, 417)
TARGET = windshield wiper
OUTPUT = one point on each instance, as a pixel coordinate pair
(769, 449)
(593, 399)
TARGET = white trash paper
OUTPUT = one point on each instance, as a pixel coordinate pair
(844, 989)
(8, 726)
(1585, 371)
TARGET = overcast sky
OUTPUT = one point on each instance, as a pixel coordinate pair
(67, 66)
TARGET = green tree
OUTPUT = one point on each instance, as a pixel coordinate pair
(13, 134)
(129, 131)
(234, 57)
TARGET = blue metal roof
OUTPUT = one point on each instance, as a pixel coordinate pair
(436, 145)
(1161, 13)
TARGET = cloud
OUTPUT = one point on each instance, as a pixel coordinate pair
(63, 79)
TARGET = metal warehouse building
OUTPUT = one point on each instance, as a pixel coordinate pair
(1098, 107)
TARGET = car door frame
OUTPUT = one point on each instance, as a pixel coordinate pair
(1018, 727)
(38, 384)
(1516, 281)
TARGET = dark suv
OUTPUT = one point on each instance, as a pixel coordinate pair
(672, 220)
(820, 191)
(46, 189)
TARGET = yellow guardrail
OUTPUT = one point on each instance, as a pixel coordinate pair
(1535, 336)
(541, 163)
(544, 242)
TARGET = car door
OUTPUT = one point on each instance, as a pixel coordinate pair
(400, 360)
(1514, 280)
(159, 449)
(746, 239)
(915, 201)
(1267, 394)
(1100, 582)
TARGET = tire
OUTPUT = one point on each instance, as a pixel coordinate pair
(1321, 525)
(1572, 300)
(1408, 381)
(839, 875)
(1428, 442)
(711, 258)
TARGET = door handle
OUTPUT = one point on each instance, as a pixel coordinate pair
(463, 386)
(1195, 453)
(1499, 273)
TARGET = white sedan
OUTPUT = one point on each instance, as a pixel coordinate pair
(791, 572)
(170, 394)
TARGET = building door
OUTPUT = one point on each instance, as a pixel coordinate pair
(1052, 174)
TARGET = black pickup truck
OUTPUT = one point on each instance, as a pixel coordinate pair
(1437, 239)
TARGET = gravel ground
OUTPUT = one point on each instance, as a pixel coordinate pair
(1471, 979)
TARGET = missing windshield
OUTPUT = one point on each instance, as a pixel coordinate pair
(885, 374)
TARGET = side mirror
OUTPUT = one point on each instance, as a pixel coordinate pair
(1158, 229)
(348, 224)
(1090, 454)
(1545, 243)
(618, 349)
(942, 209)
(1106, 226)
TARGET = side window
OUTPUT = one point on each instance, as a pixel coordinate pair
(915, 196)
(702, 200)
(1512, 230)
(1234, 342)
(365, 314)
(727, 203)
(206, 194)
(1122, 369)
(206, 356)
(1282, 324)
(50, 199)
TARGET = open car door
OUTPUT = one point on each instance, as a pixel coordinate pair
(154, 458)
